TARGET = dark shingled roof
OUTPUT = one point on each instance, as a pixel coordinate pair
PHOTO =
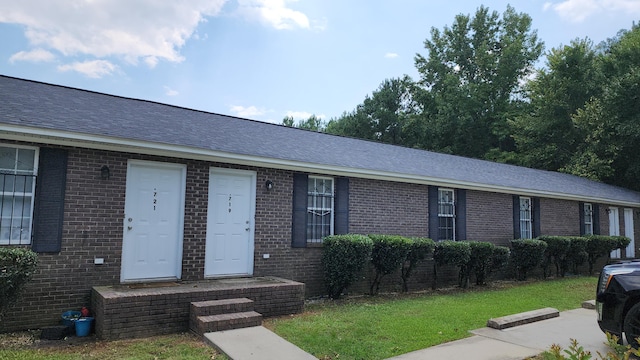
(37, 105)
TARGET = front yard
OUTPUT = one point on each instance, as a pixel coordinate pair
(355, 328)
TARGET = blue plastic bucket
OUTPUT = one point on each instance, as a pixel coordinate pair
(83, 326)
(69, 318)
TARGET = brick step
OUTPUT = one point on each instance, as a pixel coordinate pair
(220, 322)
(216, 307)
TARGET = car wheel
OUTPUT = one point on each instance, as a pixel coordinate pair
(632, 325)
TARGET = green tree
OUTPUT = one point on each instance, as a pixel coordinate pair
(473, 72)
(610, 123)
(313, 123)
(382, 116)
(545, 134)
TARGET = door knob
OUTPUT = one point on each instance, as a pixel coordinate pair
(248, 229)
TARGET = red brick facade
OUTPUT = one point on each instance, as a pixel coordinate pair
(94, 219)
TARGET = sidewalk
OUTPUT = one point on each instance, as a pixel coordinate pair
(522, 341)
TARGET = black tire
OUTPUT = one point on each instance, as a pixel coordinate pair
(632, 325)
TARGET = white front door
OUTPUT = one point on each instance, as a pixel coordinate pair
(630, 252)
(153, 222)
(614, 228)
(230, 223)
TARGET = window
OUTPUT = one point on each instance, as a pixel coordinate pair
(319, 209)
(588, 219)
(525, 218)
(17, 186)
(446, 215)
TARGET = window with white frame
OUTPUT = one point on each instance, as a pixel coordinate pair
(446, 215)
(17, 187)
(525, 218)
(319, 209)
(588, 219)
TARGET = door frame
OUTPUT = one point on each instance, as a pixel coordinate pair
(252, 175)
(182, 192)
(614, 219)
(630, 251)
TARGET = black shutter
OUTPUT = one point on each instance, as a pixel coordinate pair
(581, 216)
(536, 217)
(341, 224)
(596, 218)
(299, 220)
(461, 214)
(516, 217)
(433, 212)
(49, 201)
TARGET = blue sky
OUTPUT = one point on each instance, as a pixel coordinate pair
(258, 59)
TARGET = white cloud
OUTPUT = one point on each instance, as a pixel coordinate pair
(274, 13)
(170, 92)
(303, 115)
(35, 55)
(579, 10)
(249, 111)
(132, 29)
(93, 69)
(391, 55)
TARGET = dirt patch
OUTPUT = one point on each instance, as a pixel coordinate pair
(30, 339)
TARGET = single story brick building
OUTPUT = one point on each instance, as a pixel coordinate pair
(111, 190)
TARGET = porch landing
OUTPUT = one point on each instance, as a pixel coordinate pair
(140, 310)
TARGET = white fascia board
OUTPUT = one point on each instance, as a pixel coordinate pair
(56, 137)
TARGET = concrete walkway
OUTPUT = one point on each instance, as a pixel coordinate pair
(253, 343)
(521, 341)
(514, 343)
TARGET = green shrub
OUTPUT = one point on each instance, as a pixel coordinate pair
(556, 253)
(499, 258)
(387, 255)
(456, 253)
(601, 245)
(526, 255)
(17, 266)
(420, 249)
(479, 262)
(577, 253)
(343, 258)
(617, 351)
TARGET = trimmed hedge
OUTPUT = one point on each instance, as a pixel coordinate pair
(600, 245)
(420, 249)
(558, 248)
(456, 253)
(17, 266)
(388, 254)
(343, 258)
(526, 255)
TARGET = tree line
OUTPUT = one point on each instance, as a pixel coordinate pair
(480, 95)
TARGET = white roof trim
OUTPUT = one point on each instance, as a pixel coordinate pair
(56, 137)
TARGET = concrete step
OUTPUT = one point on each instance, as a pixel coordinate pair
(522, 318)
(220, 322)
(225, 306)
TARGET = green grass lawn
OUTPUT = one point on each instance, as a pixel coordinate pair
(379, 327)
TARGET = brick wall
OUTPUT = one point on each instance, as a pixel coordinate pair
(559, 217)
(384, 207)
(489, 217)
